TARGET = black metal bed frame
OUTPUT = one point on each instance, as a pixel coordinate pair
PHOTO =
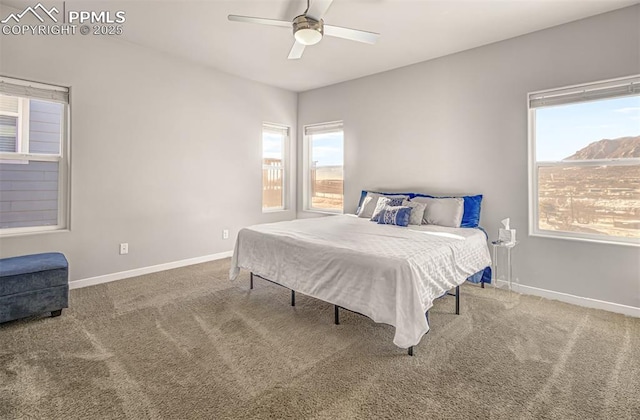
(337, 308)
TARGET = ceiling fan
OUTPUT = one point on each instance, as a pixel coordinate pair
(309, 27)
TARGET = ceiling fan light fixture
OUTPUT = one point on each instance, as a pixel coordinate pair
(307, 31)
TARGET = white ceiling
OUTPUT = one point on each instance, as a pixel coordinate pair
(411, 31)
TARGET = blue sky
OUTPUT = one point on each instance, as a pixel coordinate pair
(563, 130)
(328, 149)
(271, 145)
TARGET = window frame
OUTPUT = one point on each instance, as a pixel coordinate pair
(286, 140)
(63, 158)
(331, 126)
(587, 92)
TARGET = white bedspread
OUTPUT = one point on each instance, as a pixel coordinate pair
(391, 274)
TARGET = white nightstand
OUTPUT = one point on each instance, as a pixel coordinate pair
(502, 271)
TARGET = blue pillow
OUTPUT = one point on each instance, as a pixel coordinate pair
(471, 215)
(472, 204)
(397, 215)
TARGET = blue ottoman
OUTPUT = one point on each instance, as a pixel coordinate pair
(32, 285)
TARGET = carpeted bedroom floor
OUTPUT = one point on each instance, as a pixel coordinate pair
(190, 344)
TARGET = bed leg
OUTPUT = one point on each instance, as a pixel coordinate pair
(293, 298)
(410, 352)
(336, 310)
(457, 300)
(482, 284)
(251, 281)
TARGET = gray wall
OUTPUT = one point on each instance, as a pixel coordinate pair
(458, 124)
(165, 153)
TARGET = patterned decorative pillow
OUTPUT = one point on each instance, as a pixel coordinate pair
(417, 211)
(396, 215)
(369, 201)
(382, 203)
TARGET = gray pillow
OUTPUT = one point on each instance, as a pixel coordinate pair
(417, 211)
(442, 211)
(371, 200)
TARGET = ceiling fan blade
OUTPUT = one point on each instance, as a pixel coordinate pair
(296, 51)
(351, 34)
(260, 21)
(318, 8)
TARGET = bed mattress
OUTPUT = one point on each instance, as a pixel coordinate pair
(389, 273)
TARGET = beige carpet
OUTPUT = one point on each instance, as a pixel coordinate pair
(190, 344)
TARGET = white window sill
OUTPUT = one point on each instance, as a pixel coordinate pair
(627, 242)
(328, 212)
(32, 232)
(266, 211)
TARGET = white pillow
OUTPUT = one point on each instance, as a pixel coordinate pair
(370, 201)
(442, 211)
(366, 203)
(417, 211)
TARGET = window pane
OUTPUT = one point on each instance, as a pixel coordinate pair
(272, 191)
(326, 165)
(273, 179)
(8, 133)
(272, 145)
(28, 194)
(592, 198)
(601, 200)
(45, 126)
(589, 130)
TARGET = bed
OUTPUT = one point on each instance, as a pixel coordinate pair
(388, 273)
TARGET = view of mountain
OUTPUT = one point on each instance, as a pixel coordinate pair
(623, 147)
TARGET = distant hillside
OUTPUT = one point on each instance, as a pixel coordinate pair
(624, 147)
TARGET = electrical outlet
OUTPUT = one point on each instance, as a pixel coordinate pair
(225, 234)
(124, 248)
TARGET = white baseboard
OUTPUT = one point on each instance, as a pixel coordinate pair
(92, 281)
(520, 288)
(575, 300)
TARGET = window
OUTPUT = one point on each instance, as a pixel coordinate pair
(33, 156)
(275, 140)
(584, 148)
(324, 169)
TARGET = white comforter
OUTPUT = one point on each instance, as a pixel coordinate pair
(391, 274)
